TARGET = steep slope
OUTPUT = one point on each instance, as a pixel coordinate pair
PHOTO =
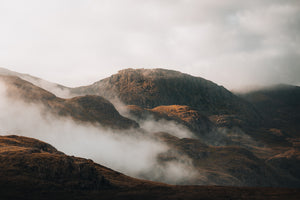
(93, 109)
(31, 169)
(150, 88)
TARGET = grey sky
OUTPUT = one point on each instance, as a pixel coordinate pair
(234, 43)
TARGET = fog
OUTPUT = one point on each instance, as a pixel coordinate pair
(130, 152)
(171, 127)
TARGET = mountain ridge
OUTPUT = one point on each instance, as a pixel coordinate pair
(89, 108)
(150, 88)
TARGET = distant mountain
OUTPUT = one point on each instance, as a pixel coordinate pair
(32, 169)
(92, 109)
(279, 106)
(149, 88)
(58, 90)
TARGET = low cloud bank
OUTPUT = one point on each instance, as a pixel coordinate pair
(130, 152)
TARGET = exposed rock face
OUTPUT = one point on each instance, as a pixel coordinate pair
(90, 108)
(150, 88)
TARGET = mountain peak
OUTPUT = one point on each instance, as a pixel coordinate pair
(150, 88)
(156, 72)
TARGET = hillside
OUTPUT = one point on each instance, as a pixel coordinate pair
(280, 108)
(234, 165)
(90, 108)
(32, 169)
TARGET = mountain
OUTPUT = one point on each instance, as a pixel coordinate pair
(57, 89)
(32, 169)
(241, 140)
(149, 88)
(89, 108)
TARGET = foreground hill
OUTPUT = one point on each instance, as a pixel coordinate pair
(149, 88)
(31, 169)
(90, 108)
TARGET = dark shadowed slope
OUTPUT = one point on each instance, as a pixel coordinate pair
(150, 88)
(31, 169)
(280, 107)
(93, 109)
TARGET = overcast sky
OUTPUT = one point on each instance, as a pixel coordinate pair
(234, 43)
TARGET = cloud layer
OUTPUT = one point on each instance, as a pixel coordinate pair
(234, 43)
(131, 152)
